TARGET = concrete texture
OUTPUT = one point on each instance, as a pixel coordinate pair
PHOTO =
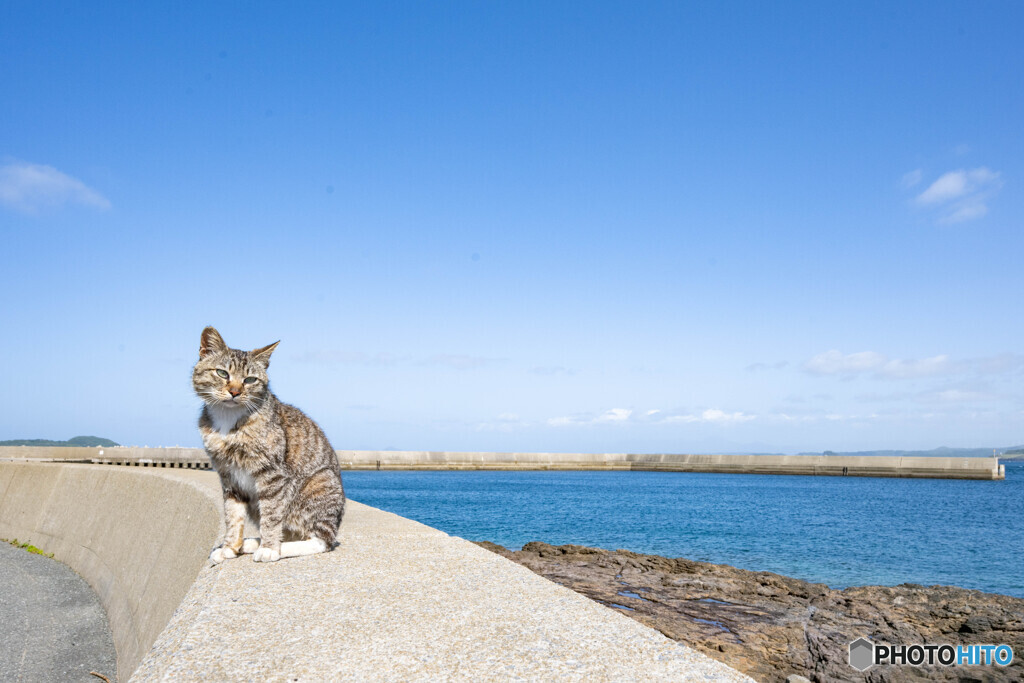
(400, 601)
(52, 626)
(138, 537)
(396, 600)
(821, 465)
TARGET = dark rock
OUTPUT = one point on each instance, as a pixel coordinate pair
(772, 627)
(976, 624)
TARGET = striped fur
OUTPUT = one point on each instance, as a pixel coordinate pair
(275, 464)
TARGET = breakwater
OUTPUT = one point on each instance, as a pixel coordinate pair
(819, 465)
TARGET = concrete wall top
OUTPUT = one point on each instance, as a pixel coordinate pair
(87, 453)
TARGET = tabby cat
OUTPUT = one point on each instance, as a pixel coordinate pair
(274, 462)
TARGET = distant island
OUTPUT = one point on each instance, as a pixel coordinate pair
(1013, 454)
(77, 441)
(1008, 453)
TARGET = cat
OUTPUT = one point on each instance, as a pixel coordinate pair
(274, 462)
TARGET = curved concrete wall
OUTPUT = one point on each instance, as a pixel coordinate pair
(139, 538)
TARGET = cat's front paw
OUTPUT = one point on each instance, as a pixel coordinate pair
(222, 553)
(265, 554)
(250, 545)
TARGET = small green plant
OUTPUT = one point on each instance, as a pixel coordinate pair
(27, 546)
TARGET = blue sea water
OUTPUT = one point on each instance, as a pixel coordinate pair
(842, 531)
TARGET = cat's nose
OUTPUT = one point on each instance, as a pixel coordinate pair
(234, 392)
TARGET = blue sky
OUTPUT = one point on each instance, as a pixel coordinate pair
(653, 227)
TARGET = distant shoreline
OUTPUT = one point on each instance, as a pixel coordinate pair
(73, 442)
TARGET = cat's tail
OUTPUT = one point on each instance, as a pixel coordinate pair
(311, 546)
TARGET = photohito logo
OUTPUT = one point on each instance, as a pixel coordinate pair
(864, 654)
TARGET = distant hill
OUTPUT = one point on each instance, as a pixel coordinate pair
(1009, 453)
(1016, 453)
(80, 441)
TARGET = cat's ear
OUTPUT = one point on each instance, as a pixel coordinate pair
(211, 342)
(262, 356)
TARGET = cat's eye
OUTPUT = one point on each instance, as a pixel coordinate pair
(223, 373)
(249, 380)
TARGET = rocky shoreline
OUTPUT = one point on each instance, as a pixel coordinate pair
(772, 627)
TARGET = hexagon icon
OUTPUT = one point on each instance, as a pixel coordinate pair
(862, 654)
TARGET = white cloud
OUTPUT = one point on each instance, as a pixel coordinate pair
(834, 362)
(505, 422)
(31, 188)
(926, 367)
(967, 212)
(961, 195)
(610, 416)
(713, 416)
(721, 417)
(817, 417)
(615, 415)
(957, 396)
(949, 186)
(654, 416)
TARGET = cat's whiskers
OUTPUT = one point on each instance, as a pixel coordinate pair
(260, 403)
(210, 398)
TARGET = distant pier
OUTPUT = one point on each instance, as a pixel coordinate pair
(814, 465)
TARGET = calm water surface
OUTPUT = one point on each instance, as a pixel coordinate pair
(842, 531)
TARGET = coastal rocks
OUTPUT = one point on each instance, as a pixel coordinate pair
(773, 627)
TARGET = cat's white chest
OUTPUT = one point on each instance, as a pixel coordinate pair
(224, 419)
(244, 482)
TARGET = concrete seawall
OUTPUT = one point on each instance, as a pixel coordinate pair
(820, 465)
(395, 601)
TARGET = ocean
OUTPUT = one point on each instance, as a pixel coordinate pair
(841, 531)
